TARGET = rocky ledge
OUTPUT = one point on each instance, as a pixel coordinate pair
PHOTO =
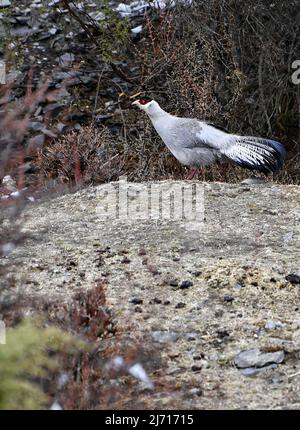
(222, 298)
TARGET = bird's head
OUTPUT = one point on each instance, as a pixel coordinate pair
(145, 103)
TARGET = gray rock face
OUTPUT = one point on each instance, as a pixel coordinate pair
(66, 60)
(239, 243)
(253, 371)
(257, 358)
(5, 3)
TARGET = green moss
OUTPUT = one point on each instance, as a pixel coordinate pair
(24, 357)
(113, 32)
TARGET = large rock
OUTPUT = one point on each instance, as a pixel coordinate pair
(245, 248)
(256, 358)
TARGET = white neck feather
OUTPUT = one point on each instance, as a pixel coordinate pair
(154, 111)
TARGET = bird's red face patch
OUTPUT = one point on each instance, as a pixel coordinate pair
(144, 100)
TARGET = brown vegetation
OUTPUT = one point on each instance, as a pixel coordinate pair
(226, 62)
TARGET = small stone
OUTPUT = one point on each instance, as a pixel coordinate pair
(35, 126)
(219, 313)
(125, 260)
(73, 263)
(228, 298)
(196, 392)
(222, 333)
(293, 278)
(288, 236)
(174, 283)
(186, 284)
(7, 248)
(165, 336)
(180, 305)
(166, 302)
(97, 16)
(48, 133)
(138, 309)
(253, 181)
(252, 371)
(196, 368)
(103, 117)
(136, 301)
(295, 214)
(155, 301)
(108, 104)
(60, 126)
(272, 325)
(53, 31)
(66, 59)
(191, 337)
(9, 183)
(197, 273)
(77, 127)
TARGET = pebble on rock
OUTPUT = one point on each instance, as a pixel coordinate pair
(228, 298)
(186, 284)
(293, 278)
(180, 305)
(136, 301)
(257, 358)
(273, 325)
(252, 371)
(174, 283)
(165, 336)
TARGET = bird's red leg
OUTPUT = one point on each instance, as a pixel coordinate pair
(191, 174)
(203, 171)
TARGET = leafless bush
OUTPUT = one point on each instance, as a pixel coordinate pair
(93, 156)
(89, 156)
(14, 120)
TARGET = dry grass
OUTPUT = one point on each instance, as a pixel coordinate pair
(90, 156)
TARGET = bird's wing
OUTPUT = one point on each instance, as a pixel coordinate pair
(219, 127)
(255, 153)
(199, 134)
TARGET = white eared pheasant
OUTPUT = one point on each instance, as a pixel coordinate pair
(197, 143)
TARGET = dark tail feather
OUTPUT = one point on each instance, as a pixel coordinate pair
(255, 153)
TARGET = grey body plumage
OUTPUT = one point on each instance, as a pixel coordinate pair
(196, 143)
